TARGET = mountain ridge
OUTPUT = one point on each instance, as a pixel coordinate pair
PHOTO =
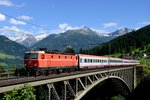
(74, 38)
(137, 39)
(30, 39)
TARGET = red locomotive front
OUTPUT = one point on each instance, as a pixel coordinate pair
(40, 60)
(32, 59)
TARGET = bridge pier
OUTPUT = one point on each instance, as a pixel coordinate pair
(134, 77)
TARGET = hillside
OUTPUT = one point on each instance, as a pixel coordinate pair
(135, 40)
(10, 47)
(77, 39)
(11, 53)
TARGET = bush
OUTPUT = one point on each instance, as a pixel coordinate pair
(25, 92)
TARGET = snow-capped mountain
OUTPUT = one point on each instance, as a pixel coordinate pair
(41, 36)
(120, 32)
(27, 39)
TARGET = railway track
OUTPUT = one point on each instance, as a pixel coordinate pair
(24, 79)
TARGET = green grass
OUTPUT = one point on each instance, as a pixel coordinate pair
(6, 56)
(118, 97)
(8, 61)
(146, 63)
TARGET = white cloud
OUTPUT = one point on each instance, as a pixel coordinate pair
(63, 27)
(13, 30)
(6, 3)
(9, 3)
(145, 23)
(16, 22)
(2, 17)
(110, 24)
(23, 17)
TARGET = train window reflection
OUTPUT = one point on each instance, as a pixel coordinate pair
(34, 56)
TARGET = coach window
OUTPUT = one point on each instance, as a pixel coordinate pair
(80, 60)
(59, 57)
(65, 57)
(91, 60)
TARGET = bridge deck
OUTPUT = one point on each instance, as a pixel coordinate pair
(9, 84)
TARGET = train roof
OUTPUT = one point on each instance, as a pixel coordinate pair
(43, 52)
(93, 56)
(35, 52)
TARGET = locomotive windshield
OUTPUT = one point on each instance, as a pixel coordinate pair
(34, 56)
(31, 56)
(27, 56)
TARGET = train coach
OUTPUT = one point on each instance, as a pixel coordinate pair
(91, 61)
(47, 62)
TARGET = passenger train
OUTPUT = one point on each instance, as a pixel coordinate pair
(46, 62)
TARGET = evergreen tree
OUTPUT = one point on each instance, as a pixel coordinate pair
(69, 50)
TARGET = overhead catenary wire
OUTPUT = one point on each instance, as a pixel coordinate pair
(24, 21)
(5, 29)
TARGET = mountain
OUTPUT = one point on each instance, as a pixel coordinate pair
(40, 36)
(120, 32)
(10, 47)
(27, 39)
(24, 39)
(84, 38)
(132, 41)
(11, 52)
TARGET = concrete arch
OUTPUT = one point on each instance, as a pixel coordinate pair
(84, 92)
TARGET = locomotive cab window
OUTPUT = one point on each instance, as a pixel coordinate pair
(27, 56)
(34, 56)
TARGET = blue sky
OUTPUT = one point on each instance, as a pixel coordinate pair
(60, 15)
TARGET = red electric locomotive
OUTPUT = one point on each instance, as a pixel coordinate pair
(41, 62)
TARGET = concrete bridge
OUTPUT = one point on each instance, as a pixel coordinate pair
(75, 86)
